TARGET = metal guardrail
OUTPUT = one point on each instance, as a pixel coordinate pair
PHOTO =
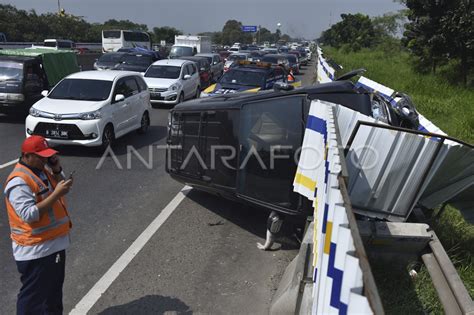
(12, 45)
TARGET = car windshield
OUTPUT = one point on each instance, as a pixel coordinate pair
(137, 60)
(270, 59)
(11, 71)
(242, 77)
(291, 59)
(111, 57)
(237, 57)
(82, 89)
(209, 59)
(163, 72)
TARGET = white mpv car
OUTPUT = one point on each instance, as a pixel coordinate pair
(91, 108)
(172, 81)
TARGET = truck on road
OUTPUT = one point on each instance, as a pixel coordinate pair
(190, 45)
(25, 73)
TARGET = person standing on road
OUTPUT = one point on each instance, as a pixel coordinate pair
(39, 225)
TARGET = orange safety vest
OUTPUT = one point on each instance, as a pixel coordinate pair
(51, 224)
(290, 77)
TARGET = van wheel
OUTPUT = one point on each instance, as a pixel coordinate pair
(144, 124)
(108, 137)
(181, 98)
(198, 92)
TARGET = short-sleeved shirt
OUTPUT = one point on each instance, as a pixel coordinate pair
(23, 200)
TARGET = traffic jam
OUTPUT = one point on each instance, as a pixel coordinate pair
(148, 222)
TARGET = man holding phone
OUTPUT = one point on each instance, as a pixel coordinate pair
(40, 225)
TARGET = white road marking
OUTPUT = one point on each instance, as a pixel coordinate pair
(109, 277)
(8, 163)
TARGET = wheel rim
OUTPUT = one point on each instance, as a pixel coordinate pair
(145, 122)
(107, 137)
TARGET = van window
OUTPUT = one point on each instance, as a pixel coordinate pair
(127, 87)
(141, 84)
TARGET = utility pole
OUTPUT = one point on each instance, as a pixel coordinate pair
(59, 7)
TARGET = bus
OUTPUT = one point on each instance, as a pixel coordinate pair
(113, 40)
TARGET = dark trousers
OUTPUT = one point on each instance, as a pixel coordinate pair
(42, 285)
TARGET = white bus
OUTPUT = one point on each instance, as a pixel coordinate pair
(113, 40)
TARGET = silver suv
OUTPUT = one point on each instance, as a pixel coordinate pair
(217, 66)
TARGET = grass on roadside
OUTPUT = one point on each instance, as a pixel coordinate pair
(451, 108)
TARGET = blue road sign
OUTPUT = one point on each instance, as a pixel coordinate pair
(249, 28)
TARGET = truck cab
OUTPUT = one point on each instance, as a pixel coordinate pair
(25, 73)
(21, 81)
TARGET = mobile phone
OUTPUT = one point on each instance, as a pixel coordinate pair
(71, 175)
(52, 161)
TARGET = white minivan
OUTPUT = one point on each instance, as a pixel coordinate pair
(172, 81)
(91, 108)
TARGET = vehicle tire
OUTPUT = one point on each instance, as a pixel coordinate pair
(144, 123)
(198, 92)
(181, 98)
(108, 137)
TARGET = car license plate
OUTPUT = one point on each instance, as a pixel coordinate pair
(154, 94)
(57, 134)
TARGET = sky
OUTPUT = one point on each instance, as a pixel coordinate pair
(298, 18)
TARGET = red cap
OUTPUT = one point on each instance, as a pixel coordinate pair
(38, 146)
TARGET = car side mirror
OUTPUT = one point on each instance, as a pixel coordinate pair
(44, 93)
(186, 77)
(215, 63)
(119, 97)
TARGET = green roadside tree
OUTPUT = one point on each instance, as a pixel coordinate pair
(355, 31)
(165, 33)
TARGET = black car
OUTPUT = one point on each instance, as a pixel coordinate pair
(108, 60)
(138, 62)
(276, 59)
(213, 142)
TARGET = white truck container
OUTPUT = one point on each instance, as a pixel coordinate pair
(188, 45)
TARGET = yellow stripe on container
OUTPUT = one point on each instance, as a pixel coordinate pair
(305, 181)
(327, 243)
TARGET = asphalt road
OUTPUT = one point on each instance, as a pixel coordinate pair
(203, 258)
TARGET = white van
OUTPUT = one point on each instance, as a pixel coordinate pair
(59, 44)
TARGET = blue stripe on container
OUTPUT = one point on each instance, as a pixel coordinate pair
(319, 125)
(326, 172)
(336, 276)
(342, 309)
(325, 217)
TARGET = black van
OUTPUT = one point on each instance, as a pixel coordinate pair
(224, 144)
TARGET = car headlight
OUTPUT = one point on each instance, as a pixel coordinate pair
(91, 115)
(174, 87)
(34, 112)
(15, 97)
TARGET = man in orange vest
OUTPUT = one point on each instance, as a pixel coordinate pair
(39, 225)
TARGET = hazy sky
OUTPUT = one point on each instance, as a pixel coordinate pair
(299, 18)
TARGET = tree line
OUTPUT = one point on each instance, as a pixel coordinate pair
(28, 26)
(436, 33)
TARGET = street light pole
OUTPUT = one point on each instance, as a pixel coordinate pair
(59, 7)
